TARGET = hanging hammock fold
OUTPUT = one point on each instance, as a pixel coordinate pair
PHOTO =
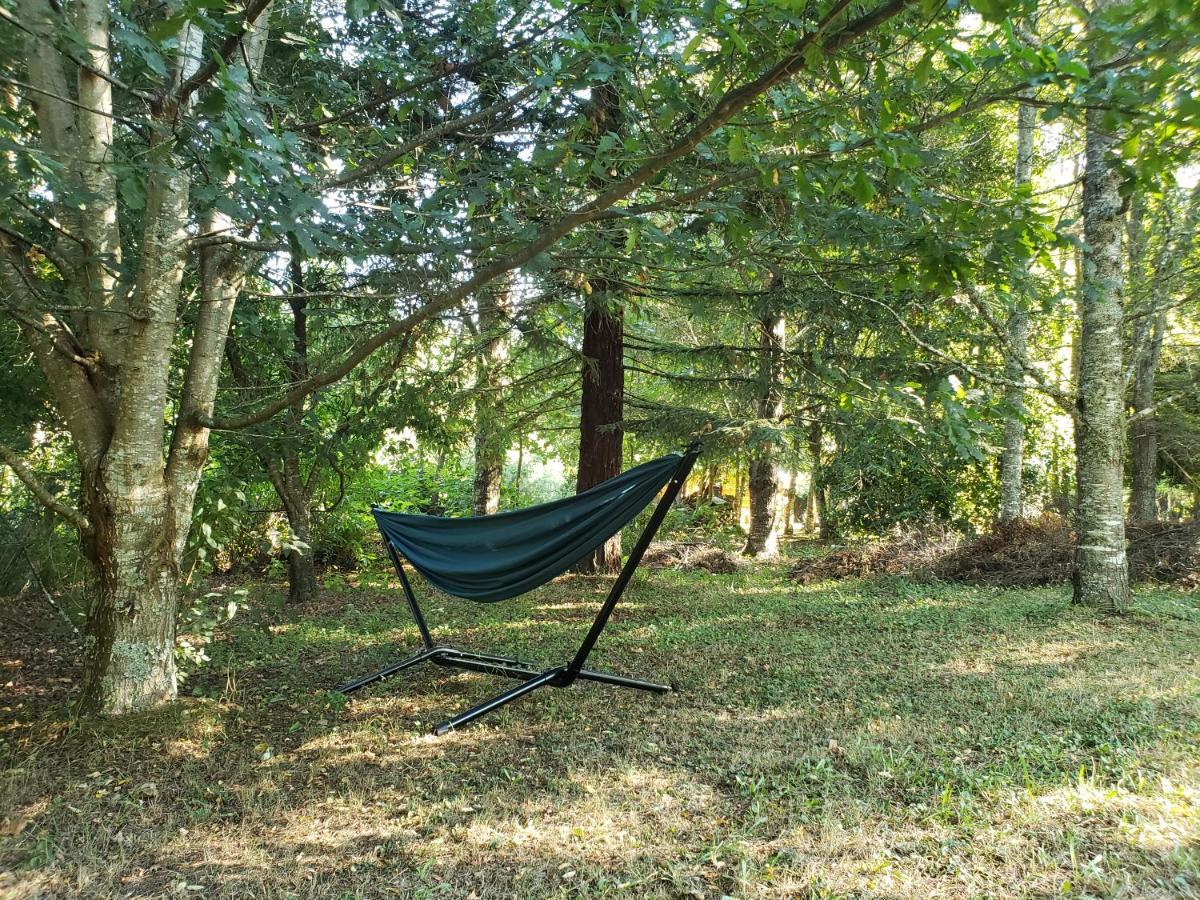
(491, 558)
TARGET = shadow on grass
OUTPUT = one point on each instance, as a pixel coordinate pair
(879, 738)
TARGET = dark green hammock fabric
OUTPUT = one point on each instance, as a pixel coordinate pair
(490, 558)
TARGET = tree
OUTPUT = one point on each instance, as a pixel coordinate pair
(1101, 577)
(602, 390)
(762, 539)
(1012, 457)
(1157, 285)
(116, 199)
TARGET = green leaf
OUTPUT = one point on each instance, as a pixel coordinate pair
(738, 151)
(692, 46)
(862, 188)
(166, 28)
(1073, 67)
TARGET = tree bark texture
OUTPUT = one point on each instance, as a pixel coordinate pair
(601, 410)
(1101, 576)
(1012, 456)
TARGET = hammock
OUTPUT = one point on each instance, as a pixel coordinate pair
(492, 558)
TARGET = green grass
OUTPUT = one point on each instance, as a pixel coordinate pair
(876, 738)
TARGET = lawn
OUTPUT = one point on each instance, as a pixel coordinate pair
(876, 738)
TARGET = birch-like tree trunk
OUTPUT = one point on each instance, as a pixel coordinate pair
(1012, 456)
(1143, 432)
(108, 366)
(762, 538)
(1101, 576)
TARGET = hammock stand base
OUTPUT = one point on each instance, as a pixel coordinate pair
(531, 677)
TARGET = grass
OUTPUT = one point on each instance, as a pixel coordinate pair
(874, 738)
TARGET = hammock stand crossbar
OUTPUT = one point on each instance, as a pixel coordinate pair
(531, 677)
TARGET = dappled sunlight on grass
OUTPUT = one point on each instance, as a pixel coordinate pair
(873, 739)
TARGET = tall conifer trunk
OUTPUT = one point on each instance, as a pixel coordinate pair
(601, 409)
(602, 401)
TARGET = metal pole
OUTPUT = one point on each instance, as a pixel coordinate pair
(413, 607)
(496, 702)
(635, 557)
(391, 669)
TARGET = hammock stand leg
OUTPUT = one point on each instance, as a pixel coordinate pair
(532, 678)
(575, 668)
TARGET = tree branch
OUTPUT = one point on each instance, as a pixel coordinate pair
(461, 69)
(1065, 400)
(224, 53)
(390, 156)
(41, 492)
(727, 106)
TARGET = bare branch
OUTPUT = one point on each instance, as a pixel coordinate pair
(1065, 400)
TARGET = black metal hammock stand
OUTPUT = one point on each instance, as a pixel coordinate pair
(491, 558)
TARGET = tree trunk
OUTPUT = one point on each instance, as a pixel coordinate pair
(1101, 577)
(762, 540)
(601, 409)
(290, 488)
(789, 504)
(816, 489)
(1149, 332)
(491, 439)
(289, 484)
(1012, 457)
(602, 404)
(1144, 430)
(130, 663)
